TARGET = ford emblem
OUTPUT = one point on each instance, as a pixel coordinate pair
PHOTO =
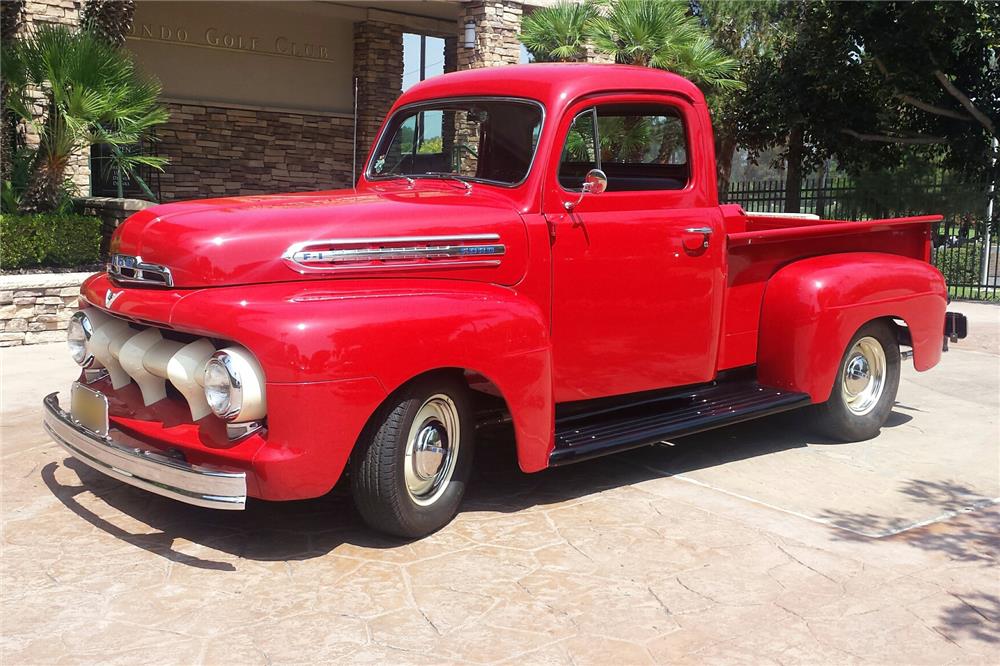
(111, 297)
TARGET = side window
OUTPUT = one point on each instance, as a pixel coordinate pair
(579, 155)
(643, 147)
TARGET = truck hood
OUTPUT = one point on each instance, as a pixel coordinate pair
(431, 229)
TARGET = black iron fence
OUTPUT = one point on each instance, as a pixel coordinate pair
(966, 244)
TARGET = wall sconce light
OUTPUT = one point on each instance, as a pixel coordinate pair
(469, 40)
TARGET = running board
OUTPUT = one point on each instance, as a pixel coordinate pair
(649, 420)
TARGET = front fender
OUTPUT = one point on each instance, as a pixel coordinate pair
(813, 307)
(391, 330)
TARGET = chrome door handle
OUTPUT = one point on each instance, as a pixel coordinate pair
(705, 232)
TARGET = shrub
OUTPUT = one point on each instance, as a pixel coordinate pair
(52, 241)
(959, 265)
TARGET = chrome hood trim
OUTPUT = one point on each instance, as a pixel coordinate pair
(409, 252)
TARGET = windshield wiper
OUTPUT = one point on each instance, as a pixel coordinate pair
(446, 174)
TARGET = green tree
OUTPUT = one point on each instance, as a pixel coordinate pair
(432, 146)
(558, 33)
(749, 33)
(91, 94)
(872, 84)
(934, 66)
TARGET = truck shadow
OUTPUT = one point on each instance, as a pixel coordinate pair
(276, 531)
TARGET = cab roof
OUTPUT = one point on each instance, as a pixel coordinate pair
(555, 85)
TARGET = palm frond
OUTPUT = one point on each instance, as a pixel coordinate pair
(93, 93)
(662, 34)
(558, 32)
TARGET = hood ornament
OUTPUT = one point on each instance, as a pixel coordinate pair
(110, 297)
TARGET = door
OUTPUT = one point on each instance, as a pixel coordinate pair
(637, 269)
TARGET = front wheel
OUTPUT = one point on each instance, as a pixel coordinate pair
(864, 390)
(414, 461)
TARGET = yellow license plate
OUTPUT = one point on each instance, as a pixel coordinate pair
(89, 408)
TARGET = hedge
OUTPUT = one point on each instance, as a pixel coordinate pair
(49, 240)
(959, 265)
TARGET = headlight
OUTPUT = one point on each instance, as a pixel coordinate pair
(222, 389)
(78, 334)
(234, 385)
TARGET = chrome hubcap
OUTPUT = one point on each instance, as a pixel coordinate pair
(864, 375)
(432, 450)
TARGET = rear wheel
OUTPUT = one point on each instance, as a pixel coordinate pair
(410, 473)
(864, 390)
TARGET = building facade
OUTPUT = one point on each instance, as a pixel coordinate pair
(262, 95)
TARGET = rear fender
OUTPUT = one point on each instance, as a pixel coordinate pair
(813, 307)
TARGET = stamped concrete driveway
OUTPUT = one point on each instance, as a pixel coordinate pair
(755, 544)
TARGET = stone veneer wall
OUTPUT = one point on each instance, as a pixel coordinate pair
(36, 308)
(52, 11)
(227, 151)
(378, 66)
(498, 22)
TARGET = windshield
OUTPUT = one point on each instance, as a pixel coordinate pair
(482, 140)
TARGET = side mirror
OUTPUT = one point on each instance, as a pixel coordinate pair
(595, 182)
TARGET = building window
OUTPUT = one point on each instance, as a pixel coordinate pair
(109, 180)
(423, 57)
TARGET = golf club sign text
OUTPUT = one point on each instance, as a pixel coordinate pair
(229, 40)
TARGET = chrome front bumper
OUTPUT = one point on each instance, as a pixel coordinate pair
(149, 470)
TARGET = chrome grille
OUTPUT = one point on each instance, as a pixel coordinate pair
(127, 269)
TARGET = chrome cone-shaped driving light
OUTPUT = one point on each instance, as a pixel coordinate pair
(78, 334)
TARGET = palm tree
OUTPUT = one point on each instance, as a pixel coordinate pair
(558, 33)
(749, 32)
(11, 16)
(91, 93)
(111, 19)
(662, 34)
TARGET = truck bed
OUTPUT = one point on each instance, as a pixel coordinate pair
(758, 245)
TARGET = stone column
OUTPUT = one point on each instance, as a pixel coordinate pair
(450, 53)
(378, 66)
(497, 25)
(595, 56)
(497, 22)
(52, 11)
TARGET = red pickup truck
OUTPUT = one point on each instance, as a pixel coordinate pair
(543, 242)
